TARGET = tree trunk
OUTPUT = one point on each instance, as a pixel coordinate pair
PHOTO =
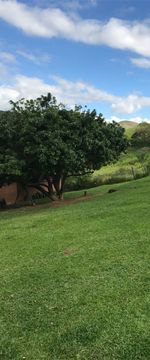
(51, 188)
(58, 183)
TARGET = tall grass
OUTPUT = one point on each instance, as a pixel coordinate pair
(135, 164)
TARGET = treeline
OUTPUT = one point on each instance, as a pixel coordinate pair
(41, 140)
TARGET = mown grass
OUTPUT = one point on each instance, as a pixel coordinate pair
(74, 280)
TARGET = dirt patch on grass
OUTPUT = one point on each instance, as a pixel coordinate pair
(55, 204)
(69, 252)
(59, 203)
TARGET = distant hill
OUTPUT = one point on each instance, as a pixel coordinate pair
(128, 124)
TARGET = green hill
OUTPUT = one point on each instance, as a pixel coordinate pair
(128, 124)
(74, 280)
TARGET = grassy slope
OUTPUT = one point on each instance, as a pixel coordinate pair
(75, 279)
(129, 126)
(125, 164)
(130, 131)
(127, 161)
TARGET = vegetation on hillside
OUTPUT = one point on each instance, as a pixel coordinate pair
(129, 126)
(141, 137)
(134, 164)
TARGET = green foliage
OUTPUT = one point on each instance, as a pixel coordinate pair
(10, 166)
(141, 137)
(130, 131)
(43, 140)
(75, 280)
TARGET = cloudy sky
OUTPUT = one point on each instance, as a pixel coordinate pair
(88, 52)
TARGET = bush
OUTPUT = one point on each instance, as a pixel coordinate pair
(141, 137)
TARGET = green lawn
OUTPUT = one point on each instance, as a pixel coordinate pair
(74, 280)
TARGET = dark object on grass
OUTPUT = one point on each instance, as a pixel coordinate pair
(85, 193)
(112, 190)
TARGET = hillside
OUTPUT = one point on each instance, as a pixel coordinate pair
(128, 124)
(134, 163)
(74, 280)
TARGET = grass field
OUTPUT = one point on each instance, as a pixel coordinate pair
(74, 279)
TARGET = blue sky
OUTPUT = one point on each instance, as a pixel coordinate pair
(93, 52)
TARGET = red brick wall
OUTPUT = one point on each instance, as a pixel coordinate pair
(14, 193)
(9, 193)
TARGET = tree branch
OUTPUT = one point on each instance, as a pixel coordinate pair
(38, 187)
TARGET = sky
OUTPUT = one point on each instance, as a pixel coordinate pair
(94, 53)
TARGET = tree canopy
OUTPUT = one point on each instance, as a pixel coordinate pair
(41, 140)
(141, 137)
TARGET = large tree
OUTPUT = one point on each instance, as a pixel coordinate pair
(10, 166)
(41, 140)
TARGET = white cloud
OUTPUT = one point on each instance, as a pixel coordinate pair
(70, 93)
(136, 119)
(74, 5)
(35, 58)
(7, 57)
(54, 22)
(7, 94)
(141, 62)
(79, 92)
(140, 119)
(129, 104)
(5, 72)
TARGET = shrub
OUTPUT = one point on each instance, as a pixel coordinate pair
(141, 137)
